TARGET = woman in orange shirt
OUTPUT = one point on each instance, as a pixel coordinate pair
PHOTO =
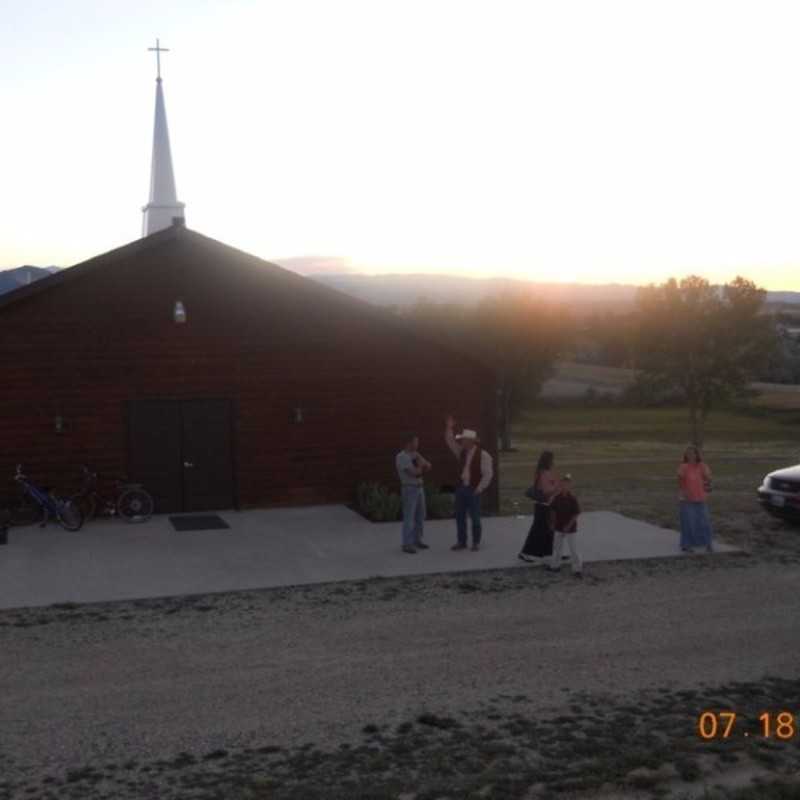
(694, 483)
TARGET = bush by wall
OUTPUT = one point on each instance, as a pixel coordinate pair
(441, 505)
(379, 504)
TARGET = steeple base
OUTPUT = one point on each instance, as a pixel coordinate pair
(157, 217)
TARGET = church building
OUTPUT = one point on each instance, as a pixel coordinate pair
(217, 379)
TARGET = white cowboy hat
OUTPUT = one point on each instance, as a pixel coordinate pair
(467, 434)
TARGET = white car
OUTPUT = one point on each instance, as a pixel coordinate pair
(780, 493)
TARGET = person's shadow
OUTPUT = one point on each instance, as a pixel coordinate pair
(5, 522)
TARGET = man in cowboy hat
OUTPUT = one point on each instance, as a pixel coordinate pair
(475, 474)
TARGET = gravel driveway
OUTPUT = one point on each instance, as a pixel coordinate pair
(99, 686)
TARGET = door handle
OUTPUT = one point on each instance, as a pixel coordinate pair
(188, 464)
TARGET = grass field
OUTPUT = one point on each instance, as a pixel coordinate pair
(625, 460)
(574, 380)
(777, 396)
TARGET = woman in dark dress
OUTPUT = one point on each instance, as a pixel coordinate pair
(539, 543)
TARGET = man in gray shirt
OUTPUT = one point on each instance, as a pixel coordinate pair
(410, 467)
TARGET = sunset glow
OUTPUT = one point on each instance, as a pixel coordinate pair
(573, 141)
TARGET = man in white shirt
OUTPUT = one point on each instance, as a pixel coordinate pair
(475, 474)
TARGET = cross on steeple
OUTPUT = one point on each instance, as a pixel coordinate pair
(158, 50)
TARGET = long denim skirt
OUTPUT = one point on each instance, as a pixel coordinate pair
(695, 525)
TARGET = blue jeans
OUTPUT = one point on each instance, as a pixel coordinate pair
(413, 514)
(467, 502)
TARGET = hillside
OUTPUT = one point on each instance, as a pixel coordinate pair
(406, 290)
(20, 276)
(575, 380)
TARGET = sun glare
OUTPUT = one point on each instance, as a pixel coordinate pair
(577, 141)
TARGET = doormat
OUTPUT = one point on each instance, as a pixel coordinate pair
(199, 522)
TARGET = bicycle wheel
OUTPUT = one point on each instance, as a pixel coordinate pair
(69, 515)
(135, 505)
(24, 511)
(87, 504)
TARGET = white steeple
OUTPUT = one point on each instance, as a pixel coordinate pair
(163, 207)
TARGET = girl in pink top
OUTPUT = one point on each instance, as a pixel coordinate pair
(694, 482)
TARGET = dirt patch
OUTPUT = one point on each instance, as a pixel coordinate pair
(647, 744)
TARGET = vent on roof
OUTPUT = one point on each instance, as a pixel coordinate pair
(179, 222)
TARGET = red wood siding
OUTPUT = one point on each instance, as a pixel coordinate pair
(265, 338)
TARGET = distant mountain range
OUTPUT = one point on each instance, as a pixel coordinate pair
(405, 290)
(14, 278)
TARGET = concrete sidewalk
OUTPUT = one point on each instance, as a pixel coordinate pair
(112, 560)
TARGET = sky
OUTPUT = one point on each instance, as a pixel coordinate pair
(569, 140)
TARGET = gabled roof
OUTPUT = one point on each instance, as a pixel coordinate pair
(84, 268)
(159, 239)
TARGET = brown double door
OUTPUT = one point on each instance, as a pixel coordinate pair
(181, 451)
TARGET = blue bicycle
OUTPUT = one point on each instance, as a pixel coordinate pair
(39, 505)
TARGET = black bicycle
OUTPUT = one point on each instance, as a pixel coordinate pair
(37, 504)
(111, 498)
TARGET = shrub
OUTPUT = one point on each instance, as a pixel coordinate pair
(440, 505)
(379, 504)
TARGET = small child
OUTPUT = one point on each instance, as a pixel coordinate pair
(565, 510)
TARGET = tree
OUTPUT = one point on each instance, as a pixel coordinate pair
(705, 342)
(607, 339)
(521, 338)
(516, 335)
